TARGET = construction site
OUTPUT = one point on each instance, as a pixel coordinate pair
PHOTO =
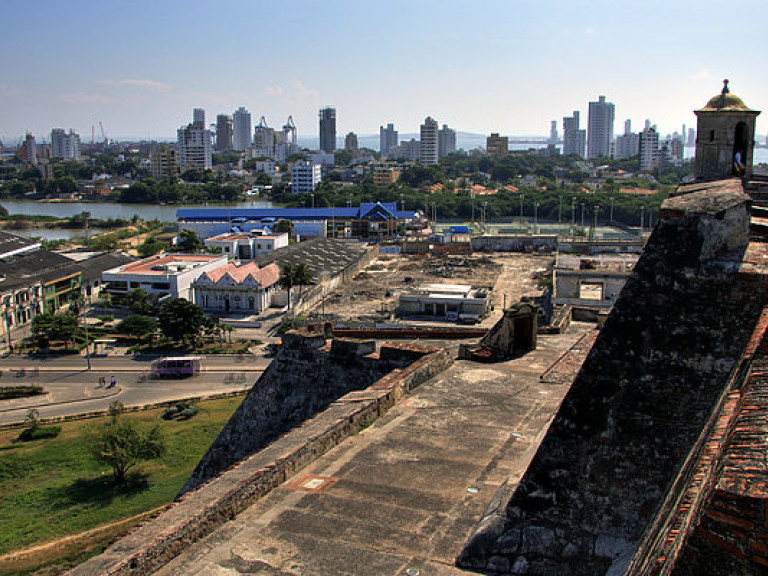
(373, 295)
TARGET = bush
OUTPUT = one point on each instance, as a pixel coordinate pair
(7, 392)
(180, 411)
(39, 432)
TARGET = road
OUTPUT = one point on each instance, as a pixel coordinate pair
(72, 389)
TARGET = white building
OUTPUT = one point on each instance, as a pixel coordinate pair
(649, 149)
(243, 246)
(446, 301)
(305, 176)
(65, 146)
(574, 138)
(195, 148)
(429, 150)
(387, 138)
(446, 141)
(600, 128)
(230, 288)
(241, 129)
(163, 275)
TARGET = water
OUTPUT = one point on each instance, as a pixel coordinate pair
(56, 233)
(105, 211)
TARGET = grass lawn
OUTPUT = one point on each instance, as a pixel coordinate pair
(51, 488)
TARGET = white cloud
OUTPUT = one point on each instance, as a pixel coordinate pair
(295, 90)
(701, 75)
(138, 83)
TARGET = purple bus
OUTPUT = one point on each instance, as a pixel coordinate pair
(176, 367)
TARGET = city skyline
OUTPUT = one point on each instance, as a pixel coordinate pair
(506, 67)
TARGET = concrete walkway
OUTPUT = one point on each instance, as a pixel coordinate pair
(403, 496)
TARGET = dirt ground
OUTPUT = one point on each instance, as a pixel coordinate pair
(374, 292)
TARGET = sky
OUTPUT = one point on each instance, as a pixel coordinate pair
(510, 66)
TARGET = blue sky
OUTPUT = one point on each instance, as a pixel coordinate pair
(506, 66)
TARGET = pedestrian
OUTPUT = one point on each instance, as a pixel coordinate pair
(102, 382)
(112, 381)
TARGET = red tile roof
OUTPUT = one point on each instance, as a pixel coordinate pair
(266, 276)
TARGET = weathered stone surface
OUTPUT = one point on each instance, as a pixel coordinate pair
(643, 395)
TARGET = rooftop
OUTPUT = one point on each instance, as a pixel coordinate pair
(165, 263)
(266, 276)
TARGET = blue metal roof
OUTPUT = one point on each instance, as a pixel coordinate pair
(259, 214)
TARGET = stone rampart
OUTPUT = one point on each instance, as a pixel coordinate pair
(640, 402)
(201, 510)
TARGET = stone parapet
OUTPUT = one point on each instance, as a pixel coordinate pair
(200, 511)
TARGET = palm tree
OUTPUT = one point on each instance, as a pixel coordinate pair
(294, 275)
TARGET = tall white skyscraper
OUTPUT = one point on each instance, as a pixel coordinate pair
(429, 152)
(446, 141)
(241, 129)
(387, 138)
(600, 128)
(649, 148)
(65, 146)
(574, 139)
(194, 147)
(628, 144)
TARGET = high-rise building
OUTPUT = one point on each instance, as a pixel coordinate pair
(194, 147)
(497, 145)
(446, 141)
(65, 146)
(408, 149)
(574, 139)
(429, 150)
(28, 150)
(164, 162)
(198, 117)
(628, 144)
(263, 140)
(692, 138)
(649, 148)
(387, 138)
(553, 135)
(327, 129)
(224, 132)
(600, 128)
(350, 142)
(305, 176)
(241, 129)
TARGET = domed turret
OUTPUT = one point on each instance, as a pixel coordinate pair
(725, 137)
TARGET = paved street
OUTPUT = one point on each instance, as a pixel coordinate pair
(72, 389)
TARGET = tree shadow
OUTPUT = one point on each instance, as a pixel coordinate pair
(99, 491)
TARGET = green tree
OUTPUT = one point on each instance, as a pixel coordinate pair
(294, 275)
(180, 319)
(137, 325)
(140, 302)
(124, 443)
(48, 326)
(263, 179)
(283, 226)
(188, 241)
(150, 247)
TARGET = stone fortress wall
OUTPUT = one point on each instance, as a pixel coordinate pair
(287, 421)
(641, 401)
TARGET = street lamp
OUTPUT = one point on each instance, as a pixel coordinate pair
(582, 214)
(521, 207)
(535, 216)
(313, 198)
(642, 219)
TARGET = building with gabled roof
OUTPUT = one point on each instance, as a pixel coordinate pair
(232, 288)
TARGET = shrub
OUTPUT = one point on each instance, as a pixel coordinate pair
(7, 392)
(39, 432)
